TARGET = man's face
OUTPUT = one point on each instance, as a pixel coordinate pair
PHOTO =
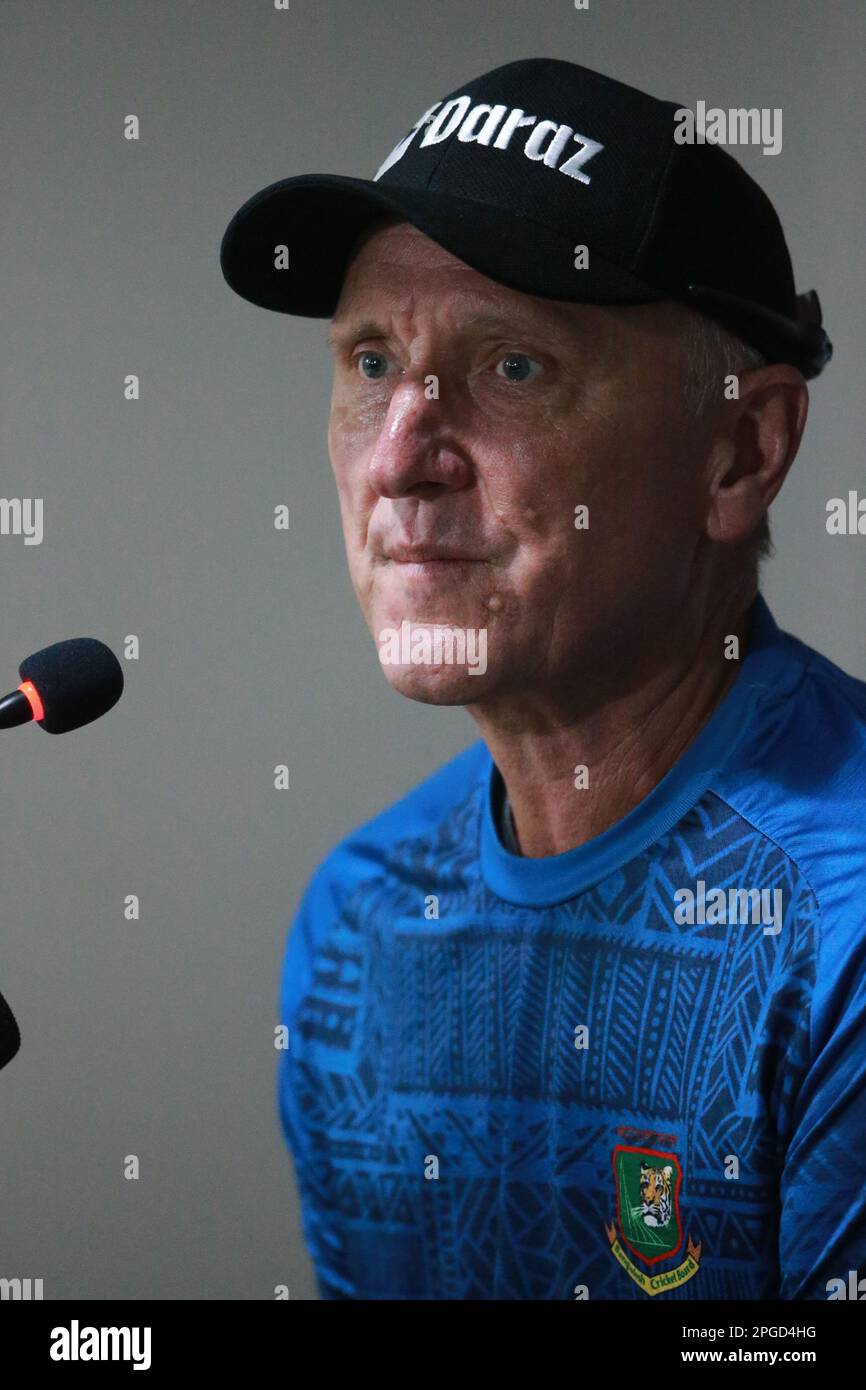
(468, 422)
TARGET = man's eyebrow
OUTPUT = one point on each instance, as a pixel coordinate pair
(364, 328)
(509, 323)
(506, 323)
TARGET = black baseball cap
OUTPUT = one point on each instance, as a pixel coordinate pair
(516, 169)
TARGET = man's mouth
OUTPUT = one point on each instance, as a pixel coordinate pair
(427, 555)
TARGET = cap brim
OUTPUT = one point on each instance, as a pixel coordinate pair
(319, 218)
(779, 338)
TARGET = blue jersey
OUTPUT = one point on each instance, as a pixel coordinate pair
(632, 1070)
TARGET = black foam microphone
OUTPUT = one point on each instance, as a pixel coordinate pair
(10, 1038)
(64, 686)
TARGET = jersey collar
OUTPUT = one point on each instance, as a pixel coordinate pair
(769, 668)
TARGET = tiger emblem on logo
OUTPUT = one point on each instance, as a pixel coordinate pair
(648, 1225)
(655, 1194)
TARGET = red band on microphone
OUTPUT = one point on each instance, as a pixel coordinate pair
(29, 689)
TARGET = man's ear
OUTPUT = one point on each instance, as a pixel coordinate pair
(758, 439)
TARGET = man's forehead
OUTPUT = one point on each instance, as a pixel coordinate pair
(398, 240)
(393, 256)
(398, 245)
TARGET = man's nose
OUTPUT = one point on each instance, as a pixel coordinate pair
(416, 453)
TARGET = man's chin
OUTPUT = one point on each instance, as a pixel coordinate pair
(434, 661)
(431, 685)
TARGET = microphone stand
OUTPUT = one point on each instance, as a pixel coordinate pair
(14, 709)
(10, 1038)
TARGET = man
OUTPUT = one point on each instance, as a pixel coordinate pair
(584, 1014)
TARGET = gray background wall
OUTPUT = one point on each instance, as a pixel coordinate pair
(155, 1037)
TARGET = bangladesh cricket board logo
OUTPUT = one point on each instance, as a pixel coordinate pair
(648, 1223)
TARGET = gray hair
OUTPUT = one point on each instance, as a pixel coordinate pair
(714, 353)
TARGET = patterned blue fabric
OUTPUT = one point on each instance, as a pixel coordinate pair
(450, 1138)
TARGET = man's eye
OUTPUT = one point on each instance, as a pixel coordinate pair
(372, 365)
(517, 367)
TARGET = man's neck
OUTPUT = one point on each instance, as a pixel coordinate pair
(627, 742)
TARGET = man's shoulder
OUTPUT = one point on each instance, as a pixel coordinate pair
(835, 685)
(807, 744)
(432, 807)
(799, 775)
(395, 849)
